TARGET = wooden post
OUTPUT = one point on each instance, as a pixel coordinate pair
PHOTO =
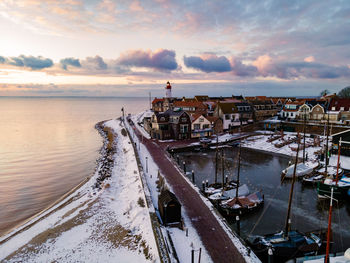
(192, 256)
(184, 163)
(238, 225)
(193, 181)
(203, 186)
(178, 159)
(199, 257)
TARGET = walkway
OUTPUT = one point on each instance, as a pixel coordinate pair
(215, 239)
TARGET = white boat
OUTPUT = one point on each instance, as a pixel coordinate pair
(243, 190)
(302, 169)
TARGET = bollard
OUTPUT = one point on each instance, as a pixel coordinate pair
(206, 183)
(192, 256)
(203, 186)
(187, 232)
(178, 159)
(226, 179)
(193, 181)
(270, 255)
(184, 163)
(238, 225)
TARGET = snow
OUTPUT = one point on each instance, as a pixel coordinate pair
(106, 225)
(260, 142)
(138, 118)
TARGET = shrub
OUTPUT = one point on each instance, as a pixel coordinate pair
(141, 202)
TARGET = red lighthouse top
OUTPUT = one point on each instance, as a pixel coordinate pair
(168, 86)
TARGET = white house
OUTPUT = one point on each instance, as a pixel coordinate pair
(201, 126)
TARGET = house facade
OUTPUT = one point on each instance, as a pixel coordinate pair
(317, 113)
(229, 114)
(180, 124)
(201, 126)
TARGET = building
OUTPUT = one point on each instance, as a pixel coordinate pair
(290, 110)
(168, 90)
(317, 112)
(201, 126)
(160, 128)
(229, 114)
(339, 109)
(158, 105)
(180, 124)
(191, 107)
(171, 125)
(169, 209)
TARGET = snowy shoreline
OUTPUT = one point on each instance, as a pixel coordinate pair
(93, 222)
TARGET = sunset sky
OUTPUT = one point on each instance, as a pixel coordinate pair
(130, 48)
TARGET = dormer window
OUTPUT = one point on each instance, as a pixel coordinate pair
(333, 108)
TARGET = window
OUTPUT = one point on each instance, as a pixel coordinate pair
(162, 119)
(227, 116)
(201, 119)
(183, 119)
(341, 108)
(206, 126)
(197, 126)
(183, 128)
(333, 108)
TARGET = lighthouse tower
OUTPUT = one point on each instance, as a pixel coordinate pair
(168, 90)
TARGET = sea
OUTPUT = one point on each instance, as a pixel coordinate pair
(48, 145)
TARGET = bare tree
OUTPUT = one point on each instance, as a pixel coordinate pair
(324, 92)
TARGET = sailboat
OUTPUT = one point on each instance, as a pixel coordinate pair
(286, 244)
(244, 203)
(341, 187)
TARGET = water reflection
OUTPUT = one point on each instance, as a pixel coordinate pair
(48, 146)
(260, 170)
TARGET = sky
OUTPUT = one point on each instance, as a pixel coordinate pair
(131, 48)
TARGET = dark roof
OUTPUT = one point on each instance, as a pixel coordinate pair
(338, 103)
(228, 107)
(166, 196)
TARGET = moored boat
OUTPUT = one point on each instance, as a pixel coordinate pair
(242, 204)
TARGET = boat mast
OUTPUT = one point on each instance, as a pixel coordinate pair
(223, 168)
(326, 155)
(216, 158)
(291, 191)
(239, 168)
(336, 178)
(304, 134)
(326, 259)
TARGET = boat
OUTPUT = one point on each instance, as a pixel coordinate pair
(302, 170)
(242, 204)
(219, 195)
(313, 179)
(286, 244)
(340, 186)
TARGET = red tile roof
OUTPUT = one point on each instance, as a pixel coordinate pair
(338, 103)
(157, 100)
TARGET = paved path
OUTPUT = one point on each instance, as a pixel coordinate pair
(215, 239)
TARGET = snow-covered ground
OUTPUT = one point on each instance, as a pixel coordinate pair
(260, 142)
(90, 225)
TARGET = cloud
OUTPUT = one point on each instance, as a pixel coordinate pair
(28, 61)
(2, 60)
(74, 62)
(96, 62)
(208, 63)
(309, 59)
(161, 59)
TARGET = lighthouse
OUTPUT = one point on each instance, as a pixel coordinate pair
(168, 90)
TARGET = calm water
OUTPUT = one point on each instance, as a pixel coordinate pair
(262, 171)
(48, 146)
